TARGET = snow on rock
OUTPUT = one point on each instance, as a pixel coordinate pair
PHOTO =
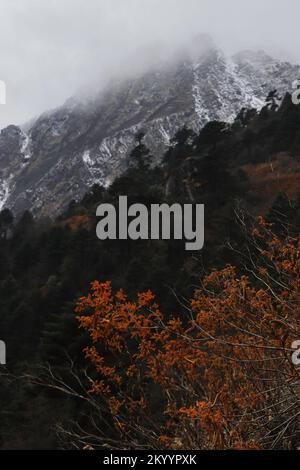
(5, 188)
(87, 159)
(25, 147)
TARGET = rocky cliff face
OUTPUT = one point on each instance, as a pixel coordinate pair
(84, 142)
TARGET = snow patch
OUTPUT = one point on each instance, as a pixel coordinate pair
(25, 148)
(5, 190)
(87, 159)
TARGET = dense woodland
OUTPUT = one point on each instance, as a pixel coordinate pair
(240, 172)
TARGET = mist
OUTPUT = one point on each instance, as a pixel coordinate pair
(51, 49)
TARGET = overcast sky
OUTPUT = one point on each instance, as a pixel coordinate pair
(50, 48)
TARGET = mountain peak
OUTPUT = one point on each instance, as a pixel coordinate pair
(258, 57)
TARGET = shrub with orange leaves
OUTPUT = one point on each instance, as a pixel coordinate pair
(221, 378)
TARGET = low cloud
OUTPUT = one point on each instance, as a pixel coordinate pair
(49, 49)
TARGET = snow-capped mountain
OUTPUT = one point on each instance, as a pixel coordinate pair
(87, 141)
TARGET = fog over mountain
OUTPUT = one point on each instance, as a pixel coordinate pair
(49, 50)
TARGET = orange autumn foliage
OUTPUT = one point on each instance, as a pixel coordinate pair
(221, 376)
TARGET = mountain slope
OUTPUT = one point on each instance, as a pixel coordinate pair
(68, 149)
